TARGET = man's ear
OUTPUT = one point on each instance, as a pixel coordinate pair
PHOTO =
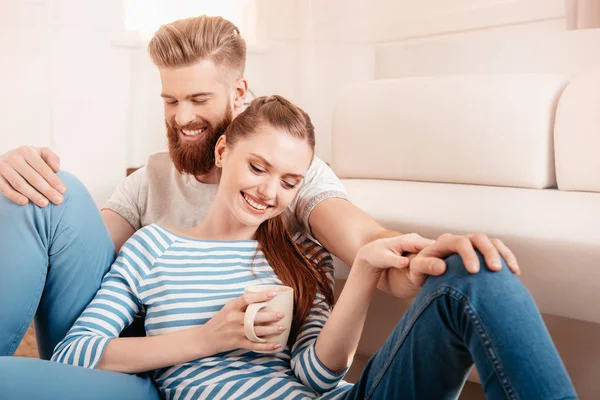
(220, 150)
(240, 93)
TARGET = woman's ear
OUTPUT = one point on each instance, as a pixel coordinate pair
(220, 150)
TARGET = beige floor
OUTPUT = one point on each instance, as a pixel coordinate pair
(28, 347)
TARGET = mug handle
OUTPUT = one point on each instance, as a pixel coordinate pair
(249, 317)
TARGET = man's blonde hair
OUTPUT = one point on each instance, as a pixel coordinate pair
(191, 40)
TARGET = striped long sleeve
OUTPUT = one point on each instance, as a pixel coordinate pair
(114, 306)
(305, 363)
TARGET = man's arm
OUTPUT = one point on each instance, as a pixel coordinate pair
(342, 228)
(118, 228)
(122, 213)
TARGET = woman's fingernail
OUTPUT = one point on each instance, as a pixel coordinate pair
(272, 294)
(276, 346)
(57, 199)
(61, 188)
(280, 315)
(281, 328)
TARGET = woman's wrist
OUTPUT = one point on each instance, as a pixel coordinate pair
(362, 266)
(365, 273)
(199, 346)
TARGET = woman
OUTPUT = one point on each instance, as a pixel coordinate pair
(191, 284)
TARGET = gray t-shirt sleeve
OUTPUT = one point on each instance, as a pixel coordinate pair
(320, 183)
(129, 198)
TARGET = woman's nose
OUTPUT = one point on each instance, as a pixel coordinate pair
(268, 190)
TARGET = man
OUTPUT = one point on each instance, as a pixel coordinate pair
(201, 63)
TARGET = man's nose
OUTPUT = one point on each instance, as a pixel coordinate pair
(184, 114)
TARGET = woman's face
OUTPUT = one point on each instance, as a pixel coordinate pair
(261, 174)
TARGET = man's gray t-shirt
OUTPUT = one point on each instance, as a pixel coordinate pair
(158, 193)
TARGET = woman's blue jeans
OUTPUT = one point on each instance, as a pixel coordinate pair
(52, 261)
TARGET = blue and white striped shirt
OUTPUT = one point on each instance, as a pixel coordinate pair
(182, 283)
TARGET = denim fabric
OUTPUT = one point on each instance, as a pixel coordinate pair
(52, 261)
(458, 319)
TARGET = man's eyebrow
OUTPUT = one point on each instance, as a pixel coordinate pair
(268, 164)
(199, 94)
(190, 96)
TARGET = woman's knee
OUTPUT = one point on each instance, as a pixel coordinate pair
(26, 378)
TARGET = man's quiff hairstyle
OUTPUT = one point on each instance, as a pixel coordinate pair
(187, 41)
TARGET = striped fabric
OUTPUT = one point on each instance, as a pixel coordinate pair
(182, 282)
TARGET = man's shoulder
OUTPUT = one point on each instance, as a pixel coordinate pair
(320, 178)
(160, 161)
(160, 170)
(319, 165)
(157, 165)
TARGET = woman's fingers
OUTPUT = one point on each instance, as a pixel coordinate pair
(263, 317)
(246, 299)
(264, 331)
(264, 346)
(408, 243)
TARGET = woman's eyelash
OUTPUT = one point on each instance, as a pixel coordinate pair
(255, 169)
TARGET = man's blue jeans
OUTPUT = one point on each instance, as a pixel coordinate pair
(52, 261)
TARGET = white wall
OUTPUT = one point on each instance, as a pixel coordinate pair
(25, 74)
(64, 85)
(301, 54)
(71, 82)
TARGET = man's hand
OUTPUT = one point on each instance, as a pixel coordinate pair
(406, 282)
(29, 173)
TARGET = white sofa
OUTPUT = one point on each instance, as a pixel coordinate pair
(515, 156)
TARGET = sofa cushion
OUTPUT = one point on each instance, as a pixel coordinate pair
(558, 251)
(486, 129)
(577, 135)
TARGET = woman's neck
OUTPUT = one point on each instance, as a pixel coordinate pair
(220, 224)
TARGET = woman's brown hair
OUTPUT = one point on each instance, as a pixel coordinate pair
(284, 255)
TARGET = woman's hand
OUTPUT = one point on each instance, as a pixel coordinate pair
(225, 330)
(386, 253)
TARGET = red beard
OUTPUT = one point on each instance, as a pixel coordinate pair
(196, 158)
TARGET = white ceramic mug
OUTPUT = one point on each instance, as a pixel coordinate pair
(282, 302)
